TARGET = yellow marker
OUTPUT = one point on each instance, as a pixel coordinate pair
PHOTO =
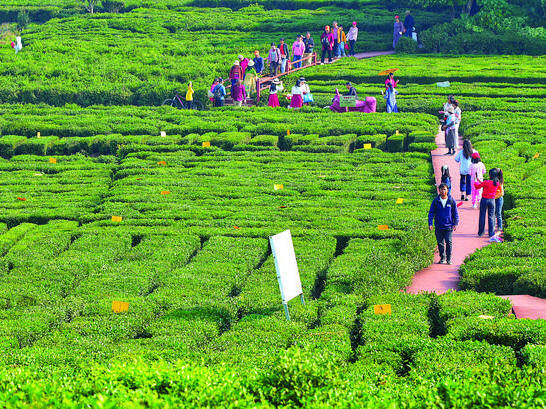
(117, 219)
(397, 133)
(399, 200)
(165, 192)
(383, 227)
(382, 309)
(120, 306)
(288, 132)
(367, 146)
(38, 134)
(161, 162)
(52, 160)
(163, 133)
(206, 144)
(278, 187)
(536, 155)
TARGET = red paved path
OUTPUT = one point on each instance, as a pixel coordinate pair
(439, 278)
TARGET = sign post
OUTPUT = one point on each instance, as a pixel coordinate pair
(287, 268)
(347, 101)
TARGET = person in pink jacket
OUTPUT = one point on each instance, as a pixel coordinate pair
(327, 42)
(298, 48)
(477, 170)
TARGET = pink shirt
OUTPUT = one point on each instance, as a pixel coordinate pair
(477, 170)
(298, 48)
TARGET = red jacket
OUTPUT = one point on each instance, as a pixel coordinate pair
(489, 189)
(236, 72)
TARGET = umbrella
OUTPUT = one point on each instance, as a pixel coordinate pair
(387, 72)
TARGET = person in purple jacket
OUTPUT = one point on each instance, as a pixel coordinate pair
(327, 42)
(443, 211)
(298, 48)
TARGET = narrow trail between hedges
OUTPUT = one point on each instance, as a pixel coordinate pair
(439, 278)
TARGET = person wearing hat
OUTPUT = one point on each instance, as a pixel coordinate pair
(235, 73)
(477, 170)
(298, 48)
(409, 23)
(306, 91)
(351, 37)
(275, 87)
(351, 89)
(243, 62)
(258, 62)
(250, 79)
(283, 48)
(327, 42)
(309, 45)
(398, 31)
(296, 101)
(449, 128)
(274, 59)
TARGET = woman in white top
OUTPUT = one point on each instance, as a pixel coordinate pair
(297, 96)
(307, 96)
(276, 86)
(458, 114)
(351, 37)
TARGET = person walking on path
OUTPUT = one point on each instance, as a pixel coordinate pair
(446, 178)
(342, 40)
(250, 79)
(477, 170)
(487, 203)
(327, 42)
(258, 62)
(397, 31)
(352, 35)
(298, 48)
(283, 48)
(235, 73)
(499, 199)
(296, 101)
(409, 23)
(335, 34)
(238, 93)
(189, 96)
(275, 87)
(449, 129)
(309, 46)
(274, 59)
(458, 114)
(219, 93)
(464, 158)
(443, 211)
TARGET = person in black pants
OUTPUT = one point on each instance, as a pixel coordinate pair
(443, 211)
(327, 42)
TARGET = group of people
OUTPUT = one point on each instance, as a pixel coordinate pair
(407, 28)
(487, 194)
(335, 42)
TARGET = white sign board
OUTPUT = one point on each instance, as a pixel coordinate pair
(286, 265)
(347, 101)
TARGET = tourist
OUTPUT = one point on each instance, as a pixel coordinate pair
(309, 45)
(258, 62)
(275, 87)
(397, 32)
(235, 73)
(443, 211)
(351, 37)
(211, 90)
(283, 48)
(390, 80)
(306, 91)
(458, 115)
(351, 89)
(189, 96)
(449, 128)
(409, 23)
(219, 93)
(335, 34)
(342, 40)
(18, 46)
(298, 48)
(446, 178)
(464, 158)
(499, 199)
(487, 203)
(250, 79)
(390, 96)
(238, 93)
(477, 170)
(274, 59)
(296, 100)
(327, 42)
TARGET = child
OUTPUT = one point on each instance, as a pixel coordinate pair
(487, 203)
(446, 179)
(189, 96)
(477, 170)
(443, 210)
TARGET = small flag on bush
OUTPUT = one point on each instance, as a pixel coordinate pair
(367, 146)
(288, 132)
(536, 155)
(120, 306)
(165, 192)
(23, 199)
(399, 200)
(117, 219)
(383, 227)
(38, 134)
(278, 186)
(52, 160)
(206, 144)
(236, 227)
(161, 162)
(382, 309)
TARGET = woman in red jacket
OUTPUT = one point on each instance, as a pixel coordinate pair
(487, 203)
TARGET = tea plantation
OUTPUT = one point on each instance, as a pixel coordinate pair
(189, 253)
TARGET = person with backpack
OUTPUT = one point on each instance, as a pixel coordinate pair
(274, 59)
(309, 45)
(351, 37)
(219, 93)
(443, 212)
(298, 48)
(327, 42)
(283, 48)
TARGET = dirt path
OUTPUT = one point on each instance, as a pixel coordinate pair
(439, 278)
(373, 54)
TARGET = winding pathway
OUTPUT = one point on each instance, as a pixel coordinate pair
(439, 278)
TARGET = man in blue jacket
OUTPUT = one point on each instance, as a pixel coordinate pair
(443, 210)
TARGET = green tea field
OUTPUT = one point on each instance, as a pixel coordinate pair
(107, 196)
